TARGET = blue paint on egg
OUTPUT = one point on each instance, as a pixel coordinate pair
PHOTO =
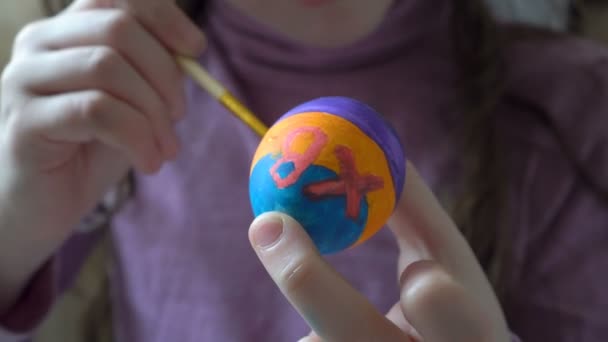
(324, 220)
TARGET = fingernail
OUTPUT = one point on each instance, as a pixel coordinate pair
(201, 43)
(202, 39)
(179, 110)
(158, 159)
(197, 41)
(154, 164)
(171, 146)
(267, 231)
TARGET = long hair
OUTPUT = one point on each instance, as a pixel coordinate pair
(481, 210)
(478, 210)
(477, 47)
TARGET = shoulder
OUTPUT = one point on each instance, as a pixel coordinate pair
(554, 122)
(553, 128)
(557, 101)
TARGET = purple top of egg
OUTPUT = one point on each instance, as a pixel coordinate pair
(370, 122)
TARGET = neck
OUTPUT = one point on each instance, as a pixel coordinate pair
(318, 23)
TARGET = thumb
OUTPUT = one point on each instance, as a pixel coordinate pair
(439, 308)
(163, 18)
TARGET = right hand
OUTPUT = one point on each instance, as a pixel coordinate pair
(88, 94)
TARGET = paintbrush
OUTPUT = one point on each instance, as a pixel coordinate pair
(221, 94)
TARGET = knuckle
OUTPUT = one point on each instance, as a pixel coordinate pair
(429, 284)
(102, 60)
(92, 105)
(7, 76)
(13, 74)
(296, 275)
(28, 34)
(119, 24)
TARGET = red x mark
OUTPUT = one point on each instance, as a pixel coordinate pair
(349, 183)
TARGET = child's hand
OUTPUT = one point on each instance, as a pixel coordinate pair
(445, 296)
(87, 94)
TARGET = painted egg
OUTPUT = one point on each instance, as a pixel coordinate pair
(335, 166)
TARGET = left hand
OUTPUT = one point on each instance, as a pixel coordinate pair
(445, 295)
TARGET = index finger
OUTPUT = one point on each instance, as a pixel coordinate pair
(419, 215)
(332, 308)
(163, 18)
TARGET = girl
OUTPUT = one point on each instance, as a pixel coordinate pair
(511, 134)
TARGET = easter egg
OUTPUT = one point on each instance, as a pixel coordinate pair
(335, 166)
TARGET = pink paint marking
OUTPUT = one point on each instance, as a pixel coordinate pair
(300, 161)
(349, 183)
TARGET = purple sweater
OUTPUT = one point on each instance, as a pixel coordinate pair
(184, 271)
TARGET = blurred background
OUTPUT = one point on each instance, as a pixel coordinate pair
(13, 15)
(83, 313)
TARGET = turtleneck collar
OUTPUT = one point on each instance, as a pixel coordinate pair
(410, 24)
